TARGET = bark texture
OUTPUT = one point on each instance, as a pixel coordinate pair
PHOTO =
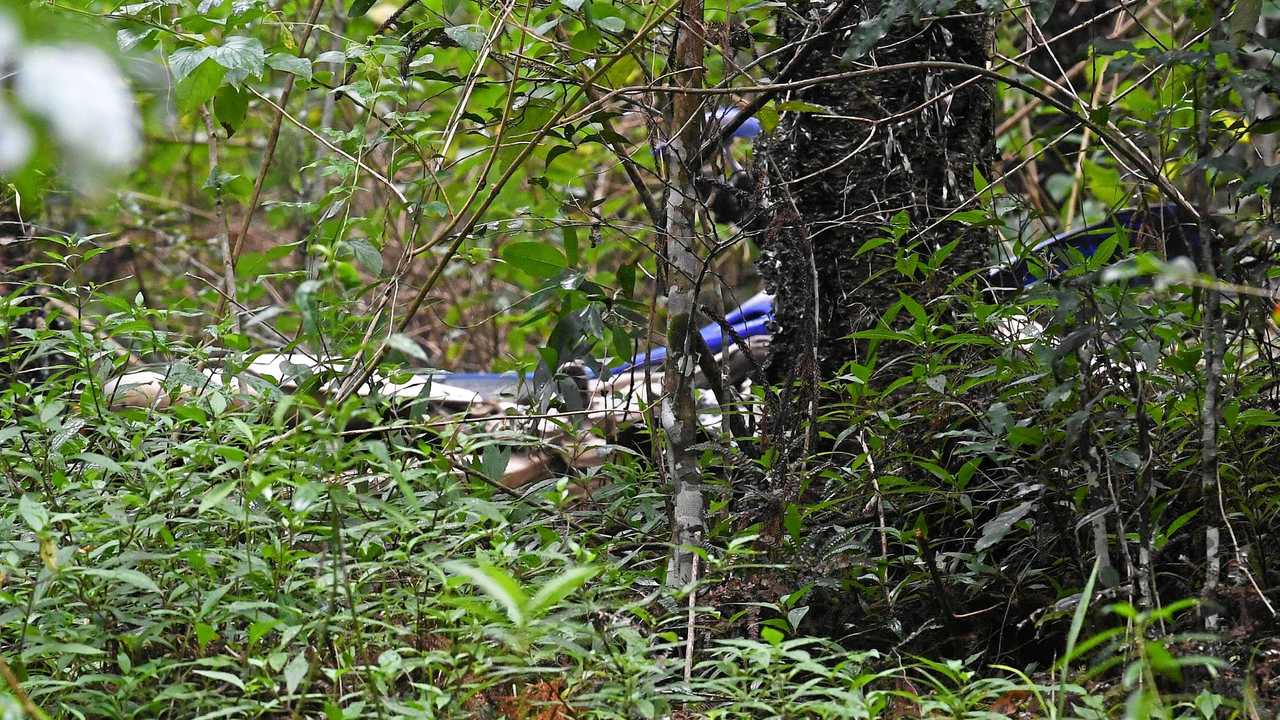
(901, 144)
(685, 258)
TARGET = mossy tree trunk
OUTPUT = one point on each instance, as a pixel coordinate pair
(889, 150)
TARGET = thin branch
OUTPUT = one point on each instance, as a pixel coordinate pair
(268, 154)
(334, 148)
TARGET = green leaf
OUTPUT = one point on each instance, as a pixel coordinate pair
(33, 513)
(291, 64)
(559, 587)
(406, 345)
(570, 244)
(1102, 255)
(184, 60)
(915, 308)
(872, 244)
(198, 86)
(1077, 623)
(241, 56)
(126, 576)
(772, 635)
(612, 23)
(471, 37)
(493, 461)
(68, 648)
(537, 259)
(205, 634)
(295, 671)
(359, 7)
(216, 495)
(369, 257)
(1162, 661)
(793, 522)
(995, 530)
(799, 106)
(224, 677)
(496, 584)
(230, 105)
(111, 466)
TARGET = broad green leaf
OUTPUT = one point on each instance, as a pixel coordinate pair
(471, 37)
(49, 649)
(205, 634)
(295, 671)
(799, 106)
(359, 7)
(537, 259)
(497, 584)
(772, 635)
(406, 345)
(184, 60)
(33, 513)
(216, 495)
(198, 86)
(241, 56)
(102, 461)
(793, 521)
(1102, 255)
(612, 23)
(559, 587)
(493, 461)
(230, 106)
(223, 676)
(127, 40)
(126, 576)
(368, 256)
(292, 64)
(995, 529)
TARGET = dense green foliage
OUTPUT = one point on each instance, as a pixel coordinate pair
(1011, 506)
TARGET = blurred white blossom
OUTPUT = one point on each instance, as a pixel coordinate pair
(79, 91)
(8, 38)
(15, 141)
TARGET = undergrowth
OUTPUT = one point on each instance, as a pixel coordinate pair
(252, 552)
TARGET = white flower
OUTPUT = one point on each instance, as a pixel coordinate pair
(15, 141)
(80, 93)
(8, 38)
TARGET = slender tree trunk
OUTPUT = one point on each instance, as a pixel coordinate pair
(685, 258)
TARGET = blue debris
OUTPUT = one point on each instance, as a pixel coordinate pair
(750, 319)
(1179, 237)
(749, 128)
(1178, 234)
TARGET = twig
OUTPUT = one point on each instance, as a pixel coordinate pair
(228, 263)
(1123, 147)
(237, 244)
(628, 165)
(66, 307)
(879, 501)
(793, 65)
(16, 688)
(463, 222)
(691, 625)
(1125, 24)
(334, 148)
